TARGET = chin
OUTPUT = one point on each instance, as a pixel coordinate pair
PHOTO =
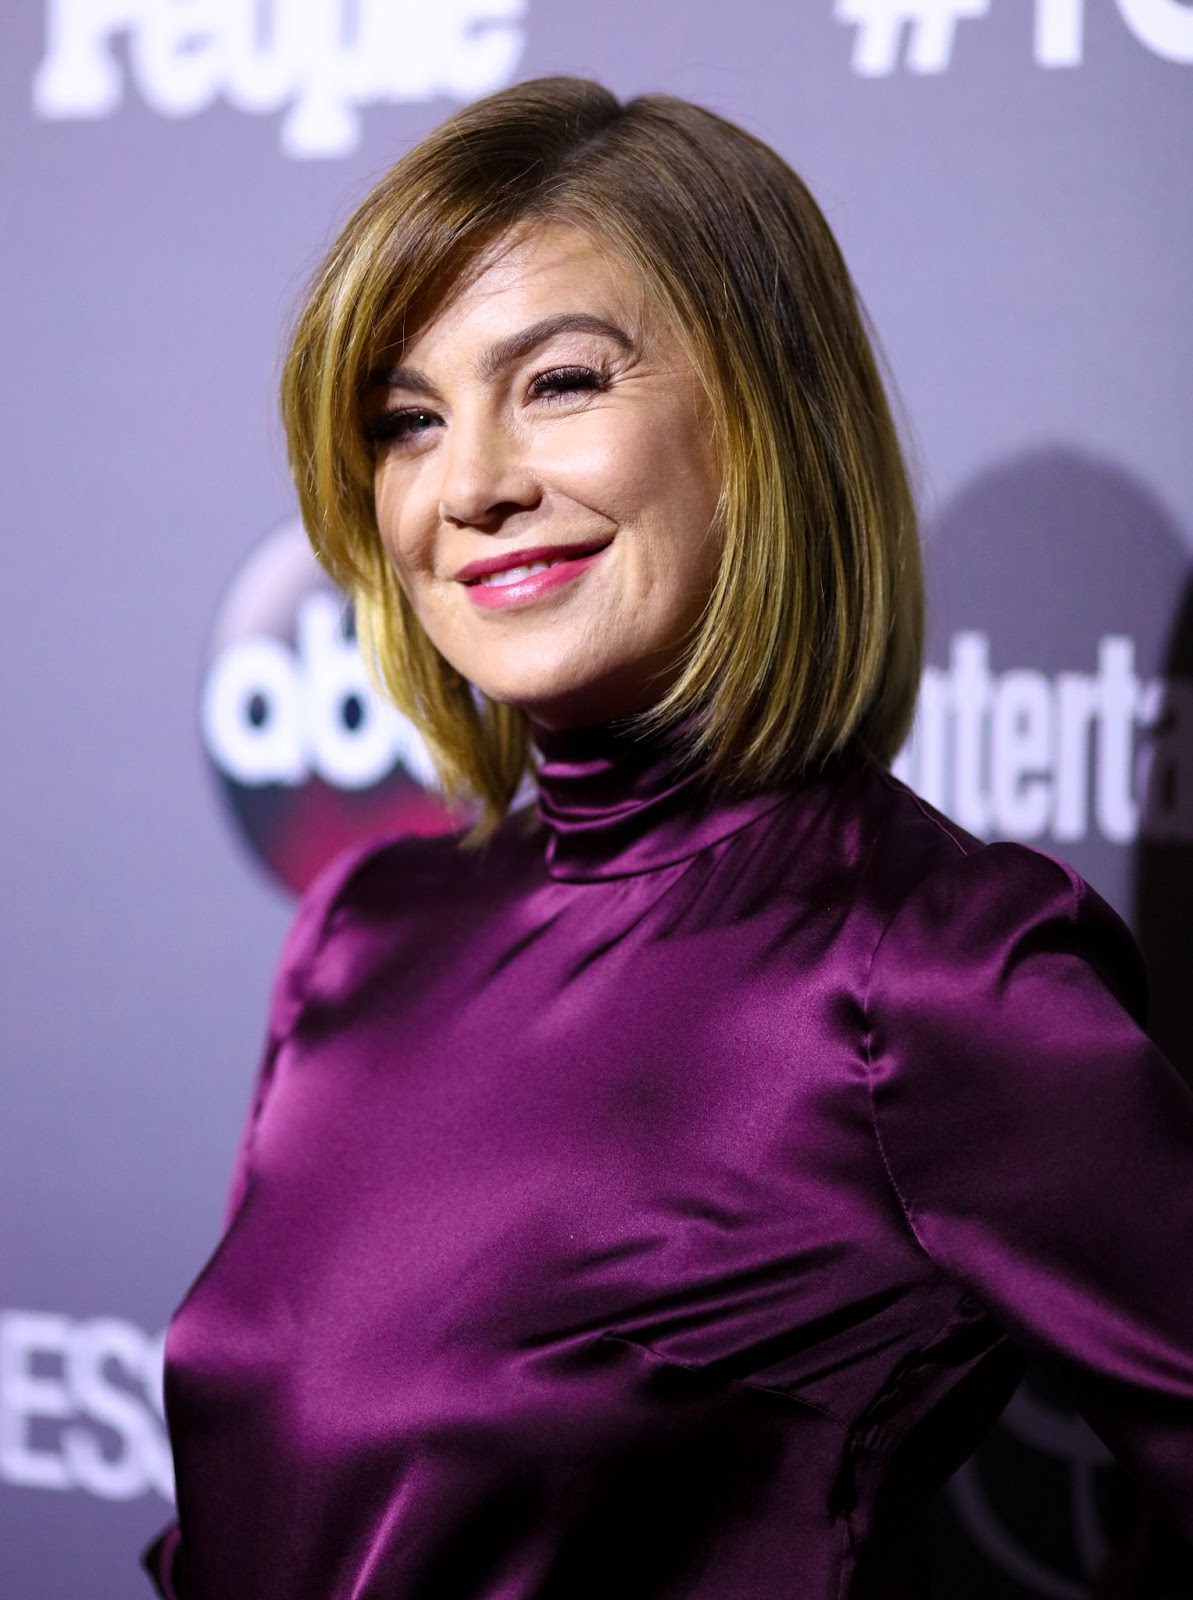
(557, 700)
(556, 707)
(541, 682)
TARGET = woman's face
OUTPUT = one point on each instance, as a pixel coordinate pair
(546, 481)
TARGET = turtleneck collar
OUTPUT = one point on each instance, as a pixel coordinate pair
(616, 804)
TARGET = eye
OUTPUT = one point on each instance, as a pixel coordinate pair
(559, 382)
(397, 425)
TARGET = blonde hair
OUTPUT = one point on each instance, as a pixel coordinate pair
(811, 639)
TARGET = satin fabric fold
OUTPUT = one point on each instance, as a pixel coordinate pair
(661, 1200)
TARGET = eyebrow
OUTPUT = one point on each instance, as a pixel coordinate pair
(510, 349)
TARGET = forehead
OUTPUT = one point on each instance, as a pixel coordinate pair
(535, 270)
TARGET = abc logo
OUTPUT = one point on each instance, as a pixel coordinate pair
(309, 757)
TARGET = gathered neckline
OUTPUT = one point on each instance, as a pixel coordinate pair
(616, 803)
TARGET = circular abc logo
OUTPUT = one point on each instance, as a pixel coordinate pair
(310, 758)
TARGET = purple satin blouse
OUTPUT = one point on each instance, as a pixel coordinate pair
(659, 1203)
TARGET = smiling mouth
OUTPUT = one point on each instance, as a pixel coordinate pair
(496, 573)
(498, 580)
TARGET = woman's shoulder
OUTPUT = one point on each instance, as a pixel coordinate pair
(368, 892)
(905, 842)
(392, 874)
(941, 897)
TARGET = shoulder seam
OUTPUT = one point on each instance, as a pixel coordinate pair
(921, 806)
(866, 1041)
(350, 868)
(298, 956)
(1074, 886)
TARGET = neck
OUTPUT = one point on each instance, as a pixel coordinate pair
(617, 803)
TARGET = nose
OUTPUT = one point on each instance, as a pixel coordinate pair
(485, 476)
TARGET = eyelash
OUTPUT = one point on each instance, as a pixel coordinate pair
(390, 427)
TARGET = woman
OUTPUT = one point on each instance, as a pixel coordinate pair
(655, 1192)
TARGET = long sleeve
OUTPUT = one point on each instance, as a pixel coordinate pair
(164, 1558)
(1040, 1145)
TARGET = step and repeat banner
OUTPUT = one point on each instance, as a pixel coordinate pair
(188, 731)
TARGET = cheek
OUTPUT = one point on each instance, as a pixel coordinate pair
(407, 536)
(634, 473)
(679, 493)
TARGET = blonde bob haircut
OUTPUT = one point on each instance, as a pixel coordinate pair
(811, 638)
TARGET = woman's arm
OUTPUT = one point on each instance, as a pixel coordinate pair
(1040, 1145)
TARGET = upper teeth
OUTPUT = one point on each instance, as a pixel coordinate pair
(516, 574)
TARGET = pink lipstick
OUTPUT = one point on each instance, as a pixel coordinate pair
(519, 576)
